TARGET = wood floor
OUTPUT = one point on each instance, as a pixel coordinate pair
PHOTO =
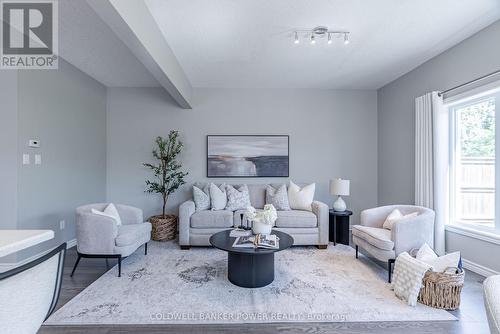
(472, 317)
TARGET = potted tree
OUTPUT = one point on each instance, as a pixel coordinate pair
(168, 178)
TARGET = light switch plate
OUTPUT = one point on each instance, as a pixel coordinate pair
(38, 159)
(26, 159)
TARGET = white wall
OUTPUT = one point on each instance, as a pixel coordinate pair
(8, 153)
(66, 110)
(474, 57)
(332, 134)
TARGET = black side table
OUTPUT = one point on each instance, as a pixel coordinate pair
(339, 227)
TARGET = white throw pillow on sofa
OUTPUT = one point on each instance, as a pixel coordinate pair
(218, 196)
(396, 216)
(110, 212)
(301, 199)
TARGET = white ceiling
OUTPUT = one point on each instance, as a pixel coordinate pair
(89, 44)
(249, 43)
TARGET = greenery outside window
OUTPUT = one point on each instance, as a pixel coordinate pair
(474, 202)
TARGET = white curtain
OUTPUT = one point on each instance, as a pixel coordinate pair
(431, 161)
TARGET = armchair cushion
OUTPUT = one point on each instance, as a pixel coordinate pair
(296, 218)
(212, 219)
(130, 234)
(378, 237)
(111, 212)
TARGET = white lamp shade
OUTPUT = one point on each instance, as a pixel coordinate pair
(339, 187)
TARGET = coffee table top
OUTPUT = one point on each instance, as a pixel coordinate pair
(223, 241)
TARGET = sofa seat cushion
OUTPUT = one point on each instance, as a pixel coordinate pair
(212, 219)
(296, 218)
(130, 234)
(378, 237)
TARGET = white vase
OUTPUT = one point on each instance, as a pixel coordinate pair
(261, 228)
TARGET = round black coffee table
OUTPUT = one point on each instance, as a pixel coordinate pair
(249, 267)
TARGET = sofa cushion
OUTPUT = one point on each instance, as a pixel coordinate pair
(278, 197)
(212, 219)
(238, 198)
(130, 234)
(257, 194)
(296, 218)
(378, 237)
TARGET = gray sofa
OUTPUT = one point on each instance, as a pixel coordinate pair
(306, 227)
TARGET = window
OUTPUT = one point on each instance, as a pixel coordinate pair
(473, 197)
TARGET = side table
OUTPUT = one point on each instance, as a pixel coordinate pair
(339, 226)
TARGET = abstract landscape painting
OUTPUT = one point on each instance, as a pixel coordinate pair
(247, 156)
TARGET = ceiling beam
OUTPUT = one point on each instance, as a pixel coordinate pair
(132, 22)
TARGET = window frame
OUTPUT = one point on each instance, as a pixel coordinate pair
(473, 98)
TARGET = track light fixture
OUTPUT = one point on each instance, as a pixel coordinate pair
(321, 32)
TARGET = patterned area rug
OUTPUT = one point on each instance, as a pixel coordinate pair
(174, 286)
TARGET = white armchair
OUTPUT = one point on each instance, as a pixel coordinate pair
(385, 245)
(98, 236)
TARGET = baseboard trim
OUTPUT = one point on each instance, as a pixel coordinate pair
(11, 265)
(478, 269)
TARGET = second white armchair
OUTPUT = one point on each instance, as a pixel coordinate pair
(406, 234)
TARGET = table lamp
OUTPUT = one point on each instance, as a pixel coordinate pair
(339, 187)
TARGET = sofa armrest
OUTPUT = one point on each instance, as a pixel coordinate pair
(95, 234)
(321, 211)
(186, 210)
(129, 214)
(413, 233)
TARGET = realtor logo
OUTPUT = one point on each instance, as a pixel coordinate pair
(29, 35)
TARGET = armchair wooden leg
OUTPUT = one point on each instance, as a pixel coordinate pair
(389, 265)
(356, 251)
(76, 264)
(185, 247)
(322, 246)
(120, 266)
(146, 248)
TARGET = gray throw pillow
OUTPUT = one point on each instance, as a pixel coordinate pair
(278, 197)
(237, 199)
(201, 198)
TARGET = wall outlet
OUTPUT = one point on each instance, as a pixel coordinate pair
(62, 224)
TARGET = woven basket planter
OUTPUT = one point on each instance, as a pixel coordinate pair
(163, 229)
(442, 290)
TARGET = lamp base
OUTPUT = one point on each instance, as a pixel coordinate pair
(339, 205)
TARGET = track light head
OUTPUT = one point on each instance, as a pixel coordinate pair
(313, 39)
(330, 38)
(296, 38)
(346, 38)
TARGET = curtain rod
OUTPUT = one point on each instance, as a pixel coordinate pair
(469, 82)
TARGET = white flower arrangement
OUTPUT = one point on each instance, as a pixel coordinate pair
(267, 216)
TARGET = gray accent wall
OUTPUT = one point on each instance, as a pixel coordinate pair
(472, 58)
(8, 151)
(66, 110)
(332, 134)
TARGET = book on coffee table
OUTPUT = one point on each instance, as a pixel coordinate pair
(269, 241)
(239, 232)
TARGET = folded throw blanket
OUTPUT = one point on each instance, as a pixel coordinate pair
(408, 275)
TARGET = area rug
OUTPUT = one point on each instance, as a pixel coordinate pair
(176, 286)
